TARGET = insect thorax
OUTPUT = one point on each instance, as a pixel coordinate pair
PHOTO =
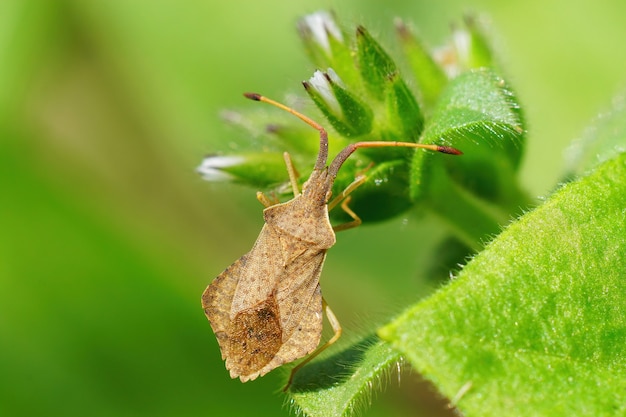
(302, 219)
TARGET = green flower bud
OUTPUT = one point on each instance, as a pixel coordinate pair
(262, 170)
(456, 104)
(347, 113)
(375, 65)
(326, 45)
(430, 76)
(405, 117)
(471, 46)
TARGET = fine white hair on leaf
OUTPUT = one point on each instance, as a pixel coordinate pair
(321, 24)
(211, 167)
(460, 394)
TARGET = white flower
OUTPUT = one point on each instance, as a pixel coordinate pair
(320, 25)
(462, 41)
(211, 167)
(447, 58)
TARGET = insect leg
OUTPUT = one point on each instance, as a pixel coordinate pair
(349, 225)
(360, 180)
(265, 200)
(344, 199)
(334, 323)
(293, 174)
(293, 179)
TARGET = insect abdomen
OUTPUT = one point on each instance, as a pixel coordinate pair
(254, 338)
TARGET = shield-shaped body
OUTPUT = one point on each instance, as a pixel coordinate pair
(266, 308)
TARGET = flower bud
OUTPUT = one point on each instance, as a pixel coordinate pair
(403, 111)
(343, 109)
(317, 30)
(375, 65)
(261, 169)
(326, 43)
(430, 76)
(471, 46)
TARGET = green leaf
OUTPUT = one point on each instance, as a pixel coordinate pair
(341, 384)
(478, 109)
(536, 323)
(478, 114)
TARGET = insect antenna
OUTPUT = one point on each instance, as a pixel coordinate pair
(322, 156)
(349, 150)
(342, 156)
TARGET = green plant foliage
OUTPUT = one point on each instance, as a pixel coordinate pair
(471, 46)
(269, 169)
(536, 323)
(476, 193)
(403, 113)
(430, 76)
(374, 63)
(467, 105)
(325, 43)
(342, 384)
(345, 111)
(109, 236)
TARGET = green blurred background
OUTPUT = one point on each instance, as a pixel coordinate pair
(108, 235)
